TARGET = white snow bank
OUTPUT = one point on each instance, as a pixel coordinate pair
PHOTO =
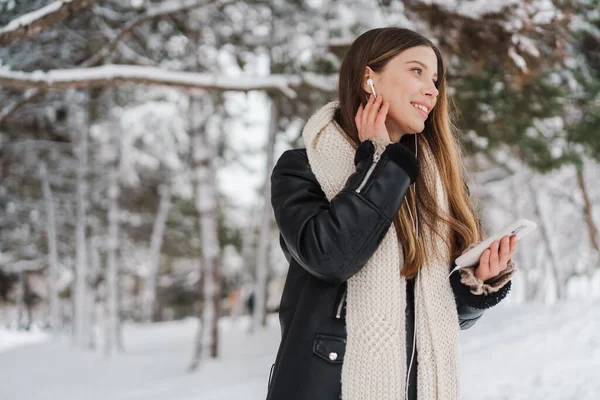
(513, 352)
(9, 339)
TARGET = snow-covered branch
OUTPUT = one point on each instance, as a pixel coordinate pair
(111, 75)
(23, 265)
(164, 9)
(38, 20)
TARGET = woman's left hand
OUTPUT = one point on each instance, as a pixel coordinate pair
(494, 259)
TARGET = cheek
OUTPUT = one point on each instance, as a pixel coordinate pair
(396, 96)
(396, 109)
(402, 116)
(400, 92)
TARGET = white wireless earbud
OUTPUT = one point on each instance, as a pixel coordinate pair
(370, 83)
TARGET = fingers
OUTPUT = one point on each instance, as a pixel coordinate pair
(494, 259)
(365, 114)
(513, 244)
(374, 110)
(382, 115)
(484, 262)
(370, 119)
(504, 251)
(483, 269)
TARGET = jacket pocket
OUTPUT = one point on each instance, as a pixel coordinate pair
(330, 348)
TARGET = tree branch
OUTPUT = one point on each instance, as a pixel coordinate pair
(23, 265)
(125, 50)
(165, 9)
(27, 97)
(111, 75)
(34, 22)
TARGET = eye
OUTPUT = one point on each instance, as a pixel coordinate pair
(418, 70)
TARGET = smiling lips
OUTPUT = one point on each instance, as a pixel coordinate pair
(423, 109)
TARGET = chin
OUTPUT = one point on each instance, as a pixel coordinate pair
(416, 129)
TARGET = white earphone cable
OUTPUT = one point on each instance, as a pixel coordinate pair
(414, 342)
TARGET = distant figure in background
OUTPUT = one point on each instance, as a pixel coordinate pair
(250, 303)
(371, 221)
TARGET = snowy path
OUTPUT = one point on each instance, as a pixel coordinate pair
(532, 352)
(154, 367)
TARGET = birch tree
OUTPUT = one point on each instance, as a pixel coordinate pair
(97, 308)
(207, 209)
(21, 301)
(149, 303)
(588, 211)
(79, 129)
(112, 295)
(553, 264)
(262, 259)
(53, 273)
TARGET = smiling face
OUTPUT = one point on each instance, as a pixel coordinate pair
(408, 82)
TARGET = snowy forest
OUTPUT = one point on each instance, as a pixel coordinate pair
(137, 139)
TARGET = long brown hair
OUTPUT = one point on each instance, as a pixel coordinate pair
(375, 48)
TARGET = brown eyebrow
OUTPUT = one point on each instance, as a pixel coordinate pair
(421, 64)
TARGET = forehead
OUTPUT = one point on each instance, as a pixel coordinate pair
(423, 54)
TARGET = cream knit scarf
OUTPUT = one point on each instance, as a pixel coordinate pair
(374, 367)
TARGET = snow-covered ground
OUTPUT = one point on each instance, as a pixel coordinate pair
(10, 339)
(514, 352)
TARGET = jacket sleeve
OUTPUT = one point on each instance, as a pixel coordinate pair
(333, 240)
(472, 296)
(471, 306)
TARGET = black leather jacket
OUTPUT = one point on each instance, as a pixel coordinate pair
(327, 242)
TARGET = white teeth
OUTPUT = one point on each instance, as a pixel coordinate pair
(421, 107)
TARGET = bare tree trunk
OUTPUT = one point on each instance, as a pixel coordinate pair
(206, 206)
(249, 255)
(206, 203)
(249, 237)
(112, 309)
(52, 276)
(156, 240)
(546, 240)
(21, 299)
(199, 338)
(587, 211)
(90, 295)
(260, 303)
(95, 316)
(79, 127)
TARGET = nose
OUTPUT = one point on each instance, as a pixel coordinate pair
(430, 91)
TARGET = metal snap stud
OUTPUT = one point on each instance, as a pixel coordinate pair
(333, 356)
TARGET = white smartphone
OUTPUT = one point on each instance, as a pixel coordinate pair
(521, 228)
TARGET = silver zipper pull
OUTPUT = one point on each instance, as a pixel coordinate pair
(340, 306)
(376, 158)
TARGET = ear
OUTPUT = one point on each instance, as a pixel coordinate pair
(368, 74)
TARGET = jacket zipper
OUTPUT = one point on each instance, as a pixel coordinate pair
(376, 158)
(340, 306)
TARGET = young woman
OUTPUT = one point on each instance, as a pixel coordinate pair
(372, 214)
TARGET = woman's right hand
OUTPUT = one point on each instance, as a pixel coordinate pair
(370, 120)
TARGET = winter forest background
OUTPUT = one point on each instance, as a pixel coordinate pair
(139, 257)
